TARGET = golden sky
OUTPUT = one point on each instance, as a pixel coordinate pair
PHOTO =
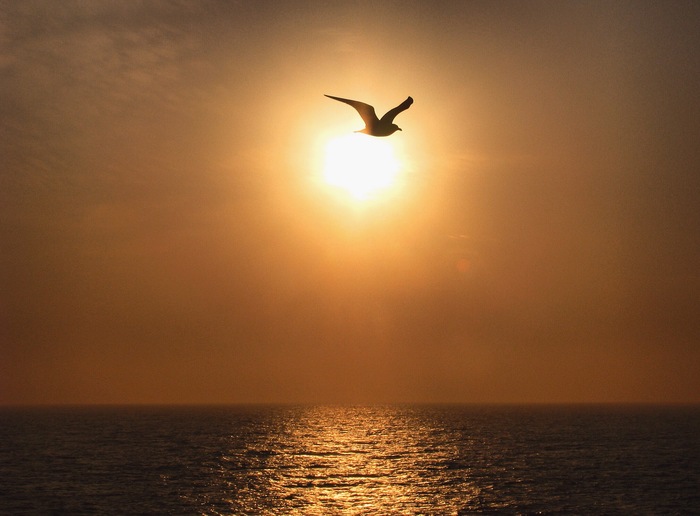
(167, 234)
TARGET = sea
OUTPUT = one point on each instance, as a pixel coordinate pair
(347, 460)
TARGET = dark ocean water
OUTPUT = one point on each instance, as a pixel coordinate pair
(350, 460)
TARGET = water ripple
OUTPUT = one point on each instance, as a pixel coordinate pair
(350, 460)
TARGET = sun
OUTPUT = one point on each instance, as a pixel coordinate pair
(361, 165)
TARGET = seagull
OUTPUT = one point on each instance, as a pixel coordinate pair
(376, 126)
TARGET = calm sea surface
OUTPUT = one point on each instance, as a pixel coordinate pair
(350, 460)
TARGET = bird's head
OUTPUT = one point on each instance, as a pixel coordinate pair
(395, 127)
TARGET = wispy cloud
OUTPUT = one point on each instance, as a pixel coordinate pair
(74, 70)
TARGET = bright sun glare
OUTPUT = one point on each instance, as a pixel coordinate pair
(359, 164)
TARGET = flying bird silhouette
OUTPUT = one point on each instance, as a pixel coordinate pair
(374, 126)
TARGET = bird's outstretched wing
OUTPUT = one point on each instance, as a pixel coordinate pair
(366, 111)
(391, 114)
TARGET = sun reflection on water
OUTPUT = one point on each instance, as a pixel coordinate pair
(336, 460)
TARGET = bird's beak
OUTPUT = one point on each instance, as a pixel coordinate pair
(399, 128)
